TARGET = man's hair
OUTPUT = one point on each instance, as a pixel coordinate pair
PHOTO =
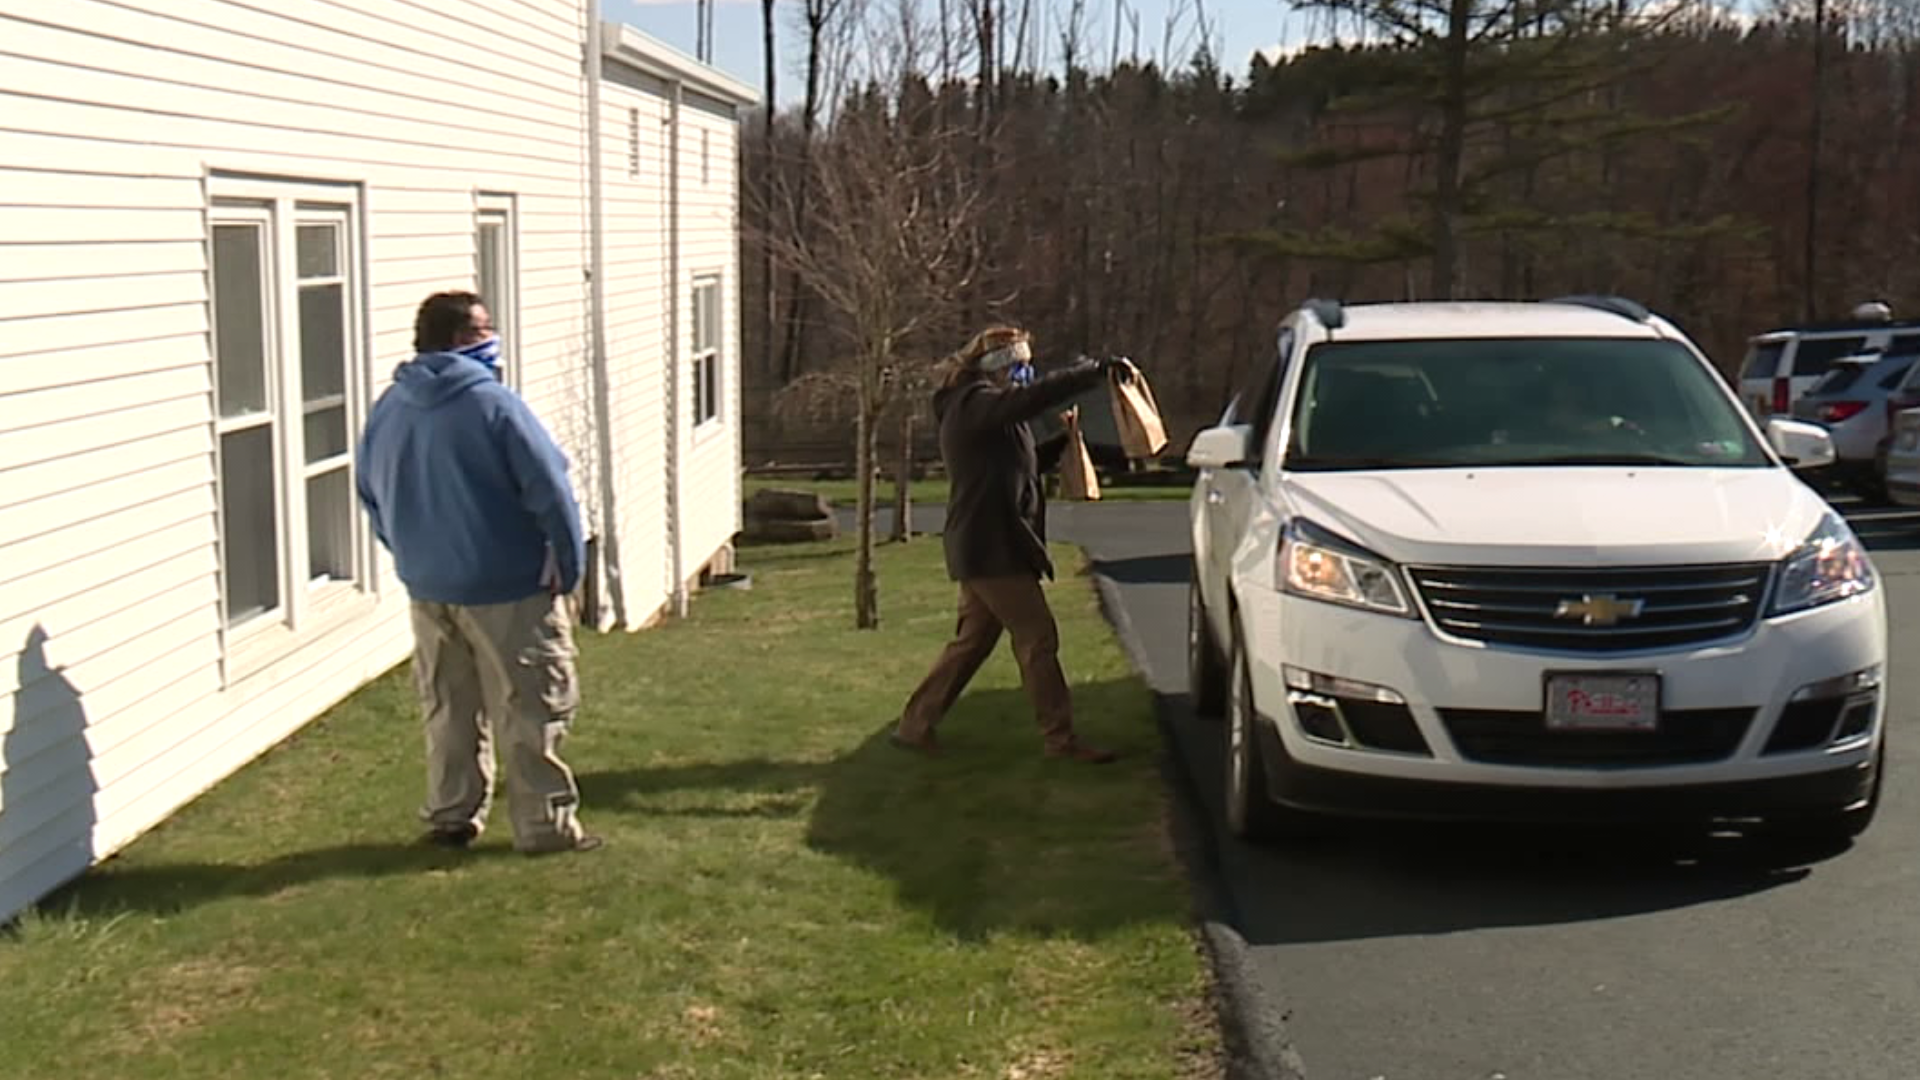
(441, 319)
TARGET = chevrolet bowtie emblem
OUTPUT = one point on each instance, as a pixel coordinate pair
(1599, 610)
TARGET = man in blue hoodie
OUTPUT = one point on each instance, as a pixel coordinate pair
(470, 493)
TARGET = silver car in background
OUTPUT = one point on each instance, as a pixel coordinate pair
(1852, 402)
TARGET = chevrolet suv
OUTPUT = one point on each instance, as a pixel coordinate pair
(1526, 561)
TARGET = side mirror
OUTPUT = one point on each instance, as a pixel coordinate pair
(1221, 447)
(1802, 445)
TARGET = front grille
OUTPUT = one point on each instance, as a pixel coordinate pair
(1571, 610)
(1683, 737)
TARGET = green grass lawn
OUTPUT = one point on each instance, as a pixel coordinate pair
(783, 894)
(845, 493)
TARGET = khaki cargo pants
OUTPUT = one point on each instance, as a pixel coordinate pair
(499, 674)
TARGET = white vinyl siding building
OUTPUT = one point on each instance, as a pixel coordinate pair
(217, 218)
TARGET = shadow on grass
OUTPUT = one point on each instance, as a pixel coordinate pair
(993, 838)
(171, 888)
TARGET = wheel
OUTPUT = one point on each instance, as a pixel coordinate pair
(1206, 673)
(1251, 812)
(1869, 482)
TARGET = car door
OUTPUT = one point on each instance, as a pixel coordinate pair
(1230, 495)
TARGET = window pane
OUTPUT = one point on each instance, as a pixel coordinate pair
(330, 526)
(239, 319)
(489, 267)
(249, 541)
(323, 343)
(1815, 355)
(326, 434)
(704, 297)
(319, 250)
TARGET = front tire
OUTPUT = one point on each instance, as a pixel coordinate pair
(1206, 672)
(1251, 812)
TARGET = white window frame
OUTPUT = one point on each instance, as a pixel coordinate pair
(501, 211)
(709, 386)
(308, 606)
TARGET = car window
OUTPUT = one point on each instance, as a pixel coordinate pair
(1896, 372)
(1265, 398)
(1815, 355)
(1513, 402)
(1763, 360)
(1904, 345)
(1838, 380)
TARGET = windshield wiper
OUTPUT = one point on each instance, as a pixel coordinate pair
(1321, 462)
(1599, 459)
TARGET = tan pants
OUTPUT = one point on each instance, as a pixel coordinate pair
(988, 606)
(499, 673)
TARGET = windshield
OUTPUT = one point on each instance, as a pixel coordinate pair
(1513, 402)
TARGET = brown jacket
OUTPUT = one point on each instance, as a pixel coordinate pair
(996, 511)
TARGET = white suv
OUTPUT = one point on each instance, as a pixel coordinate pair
(1526, 561)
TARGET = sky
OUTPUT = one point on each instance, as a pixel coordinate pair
(1240, 28)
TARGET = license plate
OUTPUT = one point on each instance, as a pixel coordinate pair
(1603, 702)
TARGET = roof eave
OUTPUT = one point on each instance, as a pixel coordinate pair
(623, 44)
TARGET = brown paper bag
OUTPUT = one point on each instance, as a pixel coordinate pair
(1078, 481)
(1143, 434)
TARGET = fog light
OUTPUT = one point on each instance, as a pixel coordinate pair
(1312, 682)
(1319, 718)
(1857, 719)
(1844, 686)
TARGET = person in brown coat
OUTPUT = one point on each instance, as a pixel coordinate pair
(996, 533)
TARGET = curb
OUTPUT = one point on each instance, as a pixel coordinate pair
(1254, 1031)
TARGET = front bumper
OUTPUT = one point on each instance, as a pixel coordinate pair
(1754, 676)
(1349, 794)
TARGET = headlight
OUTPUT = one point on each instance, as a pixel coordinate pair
(1832, 565)
(1314, 563)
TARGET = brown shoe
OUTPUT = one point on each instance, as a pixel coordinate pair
(926, 745)
(1079, 751)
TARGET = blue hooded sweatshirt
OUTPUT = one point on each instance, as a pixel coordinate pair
(465, 487)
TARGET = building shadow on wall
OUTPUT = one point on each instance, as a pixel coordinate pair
(47, 811)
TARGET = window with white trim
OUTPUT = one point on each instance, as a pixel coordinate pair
(286, 323)
(706, 350)
(497, 278)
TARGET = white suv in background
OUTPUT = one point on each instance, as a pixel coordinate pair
(1781, 365)
(1526, 561)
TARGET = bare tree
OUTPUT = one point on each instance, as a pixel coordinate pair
(885, 240)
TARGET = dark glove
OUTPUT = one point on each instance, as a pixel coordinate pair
(1119, 369)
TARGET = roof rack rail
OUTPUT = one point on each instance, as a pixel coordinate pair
(1329, 312)
(1617, 305)
(1832, 326)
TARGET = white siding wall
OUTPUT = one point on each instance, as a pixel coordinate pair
(634, 126)
(114, 705)
(709, 245)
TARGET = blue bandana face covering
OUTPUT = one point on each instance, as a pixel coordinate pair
(487, 352)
